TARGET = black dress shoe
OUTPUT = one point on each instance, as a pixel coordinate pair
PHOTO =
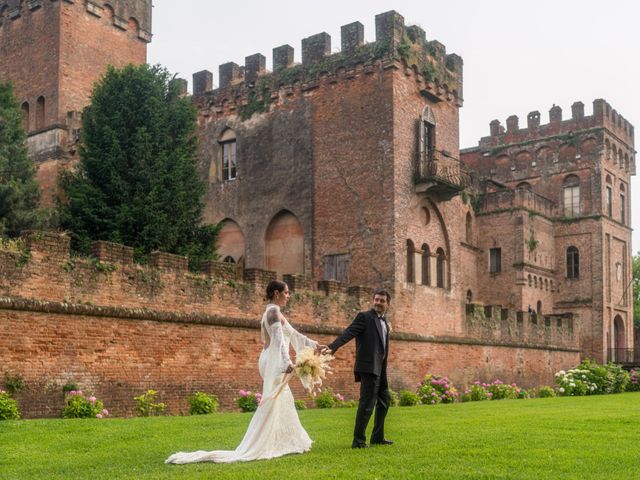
(382, 442)
(359, 445)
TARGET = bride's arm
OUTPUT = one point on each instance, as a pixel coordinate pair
(275, 327)
(298, 340)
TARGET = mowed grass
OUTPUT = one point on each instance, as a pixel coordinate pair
(558, 438)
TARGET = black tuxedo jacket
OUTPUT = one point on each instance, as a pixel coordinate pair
(371, 353)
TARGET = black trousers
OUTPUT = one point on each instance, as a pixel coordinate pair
(374, 393)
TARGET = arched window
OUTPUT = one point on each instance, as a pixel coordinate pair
(411, 250)
(229, 259)
(573, 262)
(546, 284)
(609, 197)
(623, 210)
(524, 186)
(24, 110)
(468, 229)
(440, 268)
(426, 264)
(530, 281)
(40, 113)
(571, 196)
(469, 296)
(539, 308)
(229, 162)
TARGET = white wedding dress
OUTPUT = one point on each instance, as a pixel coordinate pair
(275, 429)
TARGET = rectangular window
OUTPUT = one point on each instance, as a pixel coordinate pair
(572, 201)
(229, 161)
(623, 213)
(336, 267)
(495, 260)
(609, 199)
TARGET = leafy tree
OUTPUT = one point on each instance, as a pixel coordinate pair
(19, 191)
(636, 290)
(137, 181)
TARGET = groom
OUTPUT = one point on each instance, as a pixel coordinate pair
(371, 332)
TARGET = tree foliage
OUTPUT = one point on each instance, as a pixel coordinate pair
(636, 290)
(19, 191)
(137, 181)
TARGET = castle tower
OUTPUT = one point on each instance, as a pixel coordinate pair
(54, 51)
(559, 217)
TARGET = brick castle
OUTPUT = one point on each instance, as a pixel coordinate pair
(511, 259)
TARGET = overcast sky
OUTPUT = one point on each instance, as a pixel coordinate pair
(519, 55)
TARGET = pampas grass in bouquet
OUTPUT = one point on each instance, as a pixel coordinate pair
(312, 369)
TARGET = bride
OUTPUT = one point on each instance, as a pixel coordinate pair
(275, 429)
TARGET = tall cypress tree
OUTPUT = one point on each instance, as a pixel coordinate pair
(19, 191)
(137, 181)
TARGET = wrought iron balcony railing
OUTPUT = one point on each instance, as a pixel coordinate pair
(442, 173)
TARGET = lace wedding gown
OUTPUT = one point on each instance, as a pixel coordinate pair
(275, 429)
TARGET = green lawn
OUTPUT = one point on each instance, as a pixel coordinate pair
(567, 438)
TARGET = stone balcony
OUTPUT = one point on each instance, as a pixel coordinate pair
(442, 175)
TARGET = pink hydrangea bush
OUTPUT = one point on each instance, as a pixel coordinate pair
(248, 401)
(78, 405)
(435, 389)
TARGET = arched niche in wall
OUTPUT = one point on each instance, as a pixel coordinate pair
(588, 146)
(284, 244)
(231, 242)
(437, 237)
(523, 160)
(567, 152)
(544, 156)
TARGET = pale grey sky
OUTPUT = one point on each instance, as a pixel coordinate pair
(519, 55)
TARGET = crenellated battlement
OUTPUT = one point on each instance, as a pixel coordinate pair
(438, 74)
(603, 116)
(503, 325)
(44, 258)
(125, 15)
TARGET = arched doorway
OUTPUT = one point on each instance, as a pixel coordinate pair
(619, 340)
(284, 244)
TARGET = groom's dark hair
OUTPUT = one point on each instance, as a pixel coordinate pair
(381, 292)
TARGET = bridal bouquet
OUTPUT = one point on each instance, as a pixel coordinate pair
(312, 368)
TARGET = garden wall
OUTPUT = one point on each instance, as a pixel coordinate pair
(118, 328)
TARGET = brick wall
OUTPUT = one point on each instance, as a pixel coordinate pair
(117, 329)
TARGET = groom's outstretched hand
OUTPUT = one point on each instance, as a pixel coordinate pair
(322, 349)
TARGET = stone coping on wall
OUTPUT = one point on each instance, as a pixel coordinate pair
(40, 306)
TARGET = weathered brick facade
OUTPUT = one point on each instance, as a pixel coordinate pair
(534, 167)
(54, 51)
(339, 175)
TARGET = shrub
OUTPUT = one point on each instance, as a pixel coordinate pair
(13, 383)
(408, 398)
(8, 407)
(326, 399)
(248, 401)
(618, 378)
(574, 382)
(500, 391)
(201, 404)
(546, 392)
(435, 389)
(77, 405)
(393, 398)
(634, 382)
(147, 405)
(478, 392)
(300, 404)
(67, 387)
